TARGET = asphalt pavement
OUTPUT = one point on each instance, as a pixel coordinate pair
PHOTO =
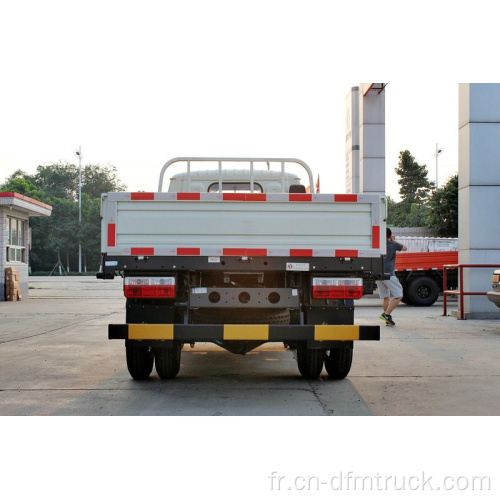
(55, 359)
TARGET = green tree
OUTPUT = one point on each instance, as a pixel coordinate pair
(41, 255)
(58, 235)
(20, 182)
(58, 180)
(63, 229)
(395, 215)
(98, 179)
(90, 231)
(413, 182)
(418, 215)
(413, 209)
(443, 210)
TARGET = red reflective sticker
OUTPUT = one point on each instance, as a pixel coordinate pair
(346, 198)
(111, 235)
(188, 196)
(188, 251)
(142, 196)
(298, 252)
(142, 251)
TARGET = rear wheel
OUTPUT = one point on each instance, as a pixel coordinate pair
(406, 299)
(309, 361)
(168, 361)
(338, 362)
(423, 291)
(139, 362)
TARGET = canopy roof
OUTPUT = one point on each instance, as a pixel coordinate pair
(33, 208)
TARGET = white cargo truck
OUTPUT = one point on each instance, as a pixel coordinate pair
(240, 258)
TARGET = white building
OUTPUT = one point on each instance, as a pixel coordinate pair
(15, 211)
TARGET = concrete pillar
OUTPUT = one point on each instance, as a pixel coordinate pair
(372, 138)
(479, 190)
(352, 141)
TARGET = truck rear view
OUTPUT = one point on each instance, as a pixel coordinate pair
(240, 258)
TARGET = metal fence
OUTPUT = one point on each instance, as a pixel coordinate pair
(412, 231)
(461, 292)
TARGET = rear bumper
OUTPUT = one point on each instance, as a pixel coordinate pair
(262, 333)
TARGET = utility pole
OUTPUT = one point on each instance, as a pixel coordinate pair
(436, 154)
(79, 154)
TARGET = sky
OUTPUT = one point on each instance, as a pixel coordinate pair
(135, 87)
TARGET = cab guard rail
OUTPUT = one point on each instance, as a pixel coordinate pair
(220, 160)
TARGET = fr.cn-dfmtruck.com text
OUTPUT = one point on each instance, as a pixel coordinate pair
(349, 481)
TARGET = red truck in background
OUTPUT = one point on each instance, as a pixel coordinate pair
(421, 275)
(420, 269)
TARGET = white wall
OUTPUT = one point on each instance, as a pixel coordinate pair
(22, 268)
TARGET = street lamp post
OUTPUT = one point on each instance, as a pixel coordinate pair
(436, 154)
(79, 154)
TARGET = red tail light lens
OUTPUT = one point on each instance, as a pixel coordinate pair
(337, 288)
(149, 288)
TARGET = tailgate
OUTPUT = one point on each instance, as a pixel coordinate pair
(214, 224)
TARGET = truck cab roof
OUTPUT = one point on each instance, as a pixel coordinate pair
(233, 180)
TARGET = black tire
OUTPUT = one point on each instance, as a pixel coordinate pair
(309, 361)
(168, 361)
(338, 362)
(241, 316)
(423, 291)
(139, 362)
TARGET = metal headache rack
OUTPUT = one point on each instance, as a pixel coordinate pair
(221, 160)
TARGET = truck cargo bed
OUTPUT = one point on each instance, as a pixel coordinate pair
(253, 225)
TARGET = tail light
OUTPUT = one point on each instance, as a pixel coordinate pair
(149, 288)
(337, 288)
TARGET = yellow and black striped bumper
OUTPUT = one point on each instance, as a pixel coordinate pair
(264, 333)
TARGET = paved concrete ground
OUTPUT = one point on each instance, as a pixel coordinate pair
(55, 359)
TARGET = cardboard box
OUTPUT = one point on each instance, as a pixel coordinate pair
(12, 276)
(14, 296)
(12, 286)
